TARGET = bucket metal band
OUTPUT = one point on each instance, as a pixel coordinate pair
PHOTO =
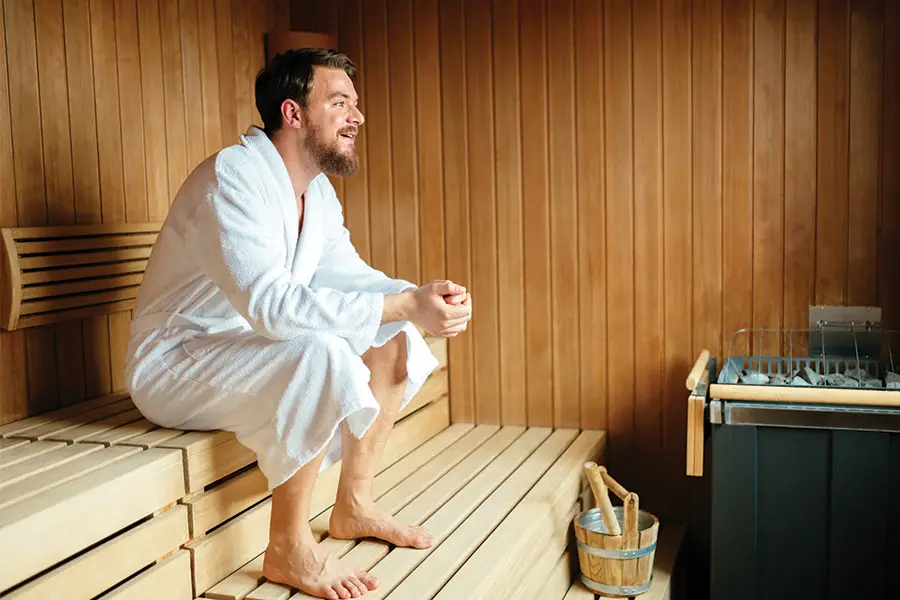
(616, 590)
(620, 554)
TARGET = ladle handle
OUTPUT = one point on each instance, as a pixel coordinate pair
(601, 496)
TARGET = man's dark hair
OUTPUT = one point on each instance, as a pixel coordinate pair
(290, 76)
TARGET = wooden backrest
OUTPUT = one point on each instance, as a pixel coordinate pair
(53, 274)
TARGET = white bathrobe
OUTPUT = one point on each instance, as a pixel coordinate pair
(246, 323)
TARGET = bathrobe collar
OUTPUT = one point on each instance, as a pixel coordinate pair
(304, 247)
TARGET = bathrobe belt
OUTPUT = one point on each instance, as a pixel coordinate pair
(163, 320)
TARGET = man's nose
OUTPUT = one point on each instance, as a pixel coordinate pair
(356, 117)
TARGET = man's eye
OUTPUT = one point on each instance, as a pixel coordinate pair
(340, 103)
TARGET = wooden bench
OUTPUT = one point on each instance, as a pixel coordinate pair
(97, 501)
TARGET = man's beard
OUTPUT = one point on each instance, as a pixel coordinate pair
(328, 156)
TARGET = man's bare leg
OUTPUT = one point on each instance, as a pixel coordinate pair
(355, 514)
(294, 557)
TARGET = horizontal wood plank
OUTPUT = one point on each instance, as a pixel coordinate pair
(106, 565)
(82, 244)
(25, 450)
(37, 463)
(23, 425)
(58, 426)
(88, 508)
(36, 292)
(74, 313)
(104, 270)
(82, 258)
(66, 231)
(122, 434)
(170, 579)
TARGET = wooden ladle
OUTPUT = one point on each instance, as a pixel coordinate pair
(601, 496)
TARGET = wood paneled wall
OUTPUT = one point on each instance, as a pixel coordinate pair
(621, 184)
(105, 106)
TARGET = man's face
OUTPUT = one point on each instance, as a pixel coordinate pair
(333, 120)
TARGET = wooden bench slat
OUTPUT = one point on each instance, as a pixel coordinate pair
(549, 576)
(458, 544)
(106, 565)
(37, 463)
(32, 307)
(72, 314)
(85, 458)
(25, 452)
(66, 231)
(579, 592)
(30, 293)
(270, 591)
(85, 243)
(58, 426)
(170, 579)
(53, 261)
(101, 270)
(88, 508)
(97, 427)
(235, 543)
(23, 425)
(240, 583)
(9, 445)
(155, 438)
(123, 433)
(507, 554)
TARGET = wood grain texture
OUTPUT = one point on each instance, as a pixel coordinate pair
(533, 57)
(800, 171)
(889, 241)
(508, 161)
(563, 217)
(832, 152)
(102, 112)
(482, 216)
(456, 197)
(590, 166)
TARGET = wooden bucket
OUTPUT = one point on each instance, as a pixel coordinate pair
(608, 569)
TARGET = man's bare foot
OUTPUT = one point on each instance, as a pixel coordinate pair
(354, 522)
(308, 568)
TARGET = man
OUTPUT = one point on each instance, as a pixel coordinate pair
(257, 316)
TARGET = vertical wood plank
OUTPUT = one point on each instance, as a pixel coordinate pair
(25, 113)
(707, 175)
(154, 103)
(649, 301)
(508, 159)
(43, 393)
(429, 141)
(82, 112)
(70, 362)
(131, 103)
(737, 174)
(55, 137)
(8, 210)
(118, 341)
(619, 229)
(866, 49)
(535, 212)
(768, 173)
(832, 152)
(402, 85)
(96, 356)
(800, 170)
(173, 86)
(379, 143)
(482, 210)
(194, 107)
(241, 18)
(889, 242)
(225, 60)
(209, 77)
(563, 218)
(14, 393)
(106, 93)
(356, 196)
(677, 140)
(456, 198)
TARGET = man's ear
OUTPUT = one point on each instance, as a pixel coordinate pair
(292, 114)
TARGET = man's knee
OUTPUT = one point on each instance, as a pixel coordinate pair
(391, 357)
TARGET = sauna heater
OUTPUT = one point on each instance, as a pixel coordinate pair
(804, 459)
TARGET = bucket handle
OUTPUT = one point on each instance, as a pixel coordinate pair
(601, 496)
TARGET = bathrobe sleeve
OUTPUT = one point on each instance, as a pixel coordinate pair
(341, 267)
(237, 236)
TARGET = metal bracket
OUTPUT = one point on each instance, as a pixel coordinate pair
(845, 331)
